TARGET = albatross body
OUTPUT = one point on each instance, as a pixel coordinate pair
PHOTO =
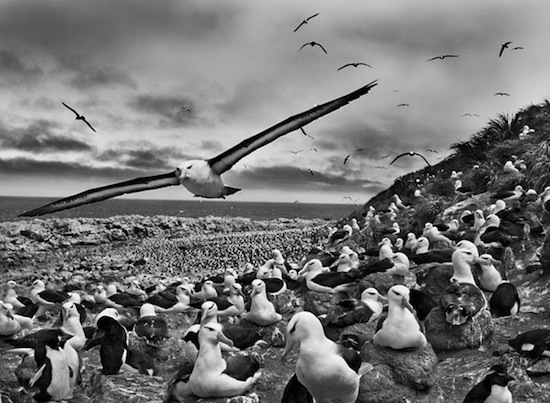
(202, 177)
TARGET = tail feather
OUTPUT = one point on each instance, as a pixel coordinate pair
(229, 190)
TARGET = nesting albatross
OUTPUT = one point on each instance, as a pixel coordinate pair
(202, 177)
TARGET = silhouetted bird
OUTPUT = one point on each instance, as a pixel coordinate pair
(305, 21)
(78, 116)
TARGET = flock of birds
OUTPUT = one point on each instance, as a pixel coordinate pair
(238, 310)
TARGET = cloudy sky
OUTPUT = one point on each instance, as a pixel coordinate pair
(167, 81)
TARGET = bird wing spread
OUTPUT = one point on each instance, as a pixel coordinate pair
(227, 159)
(107, 192)
(68, 107)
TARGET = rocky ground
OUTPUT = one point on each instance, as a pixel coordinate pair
(83, 252)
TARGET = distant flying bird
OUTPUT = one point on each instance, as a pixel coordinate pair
(471, 114)
(305, 134)
(346, 159)
(354, 65)
(380, 167)
(311, 172)
(203, 177)
(517, 48)
(78, 116)
(296, 152)
(313, 149)
(504, 94)
(384, 156)
(505, 45)
(312, 44)
(305, 21)
(410, 154)
(441, 57)
(431, 150)
(402, 105)
(358, 150)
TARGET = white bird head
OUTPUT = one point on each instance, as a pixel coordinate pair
(399, 296)
(147, 310)
(302, 326)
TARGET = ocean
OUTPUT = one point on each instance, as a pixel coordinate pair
(10, 207)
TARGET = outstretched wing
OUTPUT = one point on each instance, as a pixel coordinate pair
(107, 192)
(298, 27)
(68, 107)
(321, 46)
(89, 125)
(421, 156)
(344, 66)
(227, 159)
(399, 156)
(313, 16)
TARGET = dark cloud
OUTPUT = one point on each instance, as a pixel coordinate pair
(145, 156)
(289, 177)
(87, 75)
(39, 137)
(173, 110)
(13, 67)
(106, 25)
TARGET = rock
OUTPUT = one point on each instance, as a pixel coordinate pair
(320, 303)
(125, 387)
(381, 281)
(434, 278)
(415, 369)
(443, 336)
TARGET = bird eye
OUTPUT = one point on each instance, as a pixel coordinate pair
(293, 328)
(190, 166)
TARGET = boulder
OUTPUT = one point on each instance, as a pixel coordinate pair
(443, 336)
(415, 368)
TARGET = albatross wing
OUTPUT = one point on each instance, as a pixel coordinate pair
(227, 159)
(107, 192)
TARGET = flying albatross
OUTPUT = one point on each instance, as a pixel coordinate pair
(202, 177)
(410, 153)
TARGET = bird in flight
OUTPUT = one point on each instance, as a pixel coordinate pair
(346, 159)
(311, 172)
(354, 65)
(410, 154)
(305, 21)
(312, 44)
(402, 105)
(296, 152)
(203, 177)
(431, 150)
(441, 57)
(358, 150)
(471, 114)
(78, 116)
(305, 134)
(380, 167)
(504, 94)
(517, 48)
(503, 46)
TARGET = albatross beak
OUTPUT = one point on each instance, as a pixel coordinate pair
(222, 338)
(406, 304)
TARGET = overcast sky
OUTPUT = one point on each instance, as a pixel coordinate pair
(167, 81)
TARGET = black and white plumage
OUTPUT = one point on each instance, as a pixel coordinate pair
(305, 21)
(151, 327)
(313, 44)
(533, 343)
(78, 116)
(327, 370)
(492, 389)
(505, 300)
(411, 154)
(442, 57)
(202, 177)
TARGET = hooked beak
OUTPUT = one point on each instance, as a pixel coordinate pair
(407, 304)
(222, 338)
(382, 299)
